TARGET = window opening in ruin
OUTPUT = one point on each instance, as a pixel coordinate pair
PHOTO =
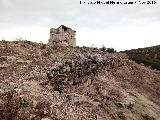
(64, 28)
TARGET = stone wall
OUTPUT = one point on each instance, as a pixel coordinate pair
(62, 36)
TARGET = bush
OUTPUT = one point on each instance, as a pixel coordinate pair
(103, 48)
(43, 46)
(24, 104)
(121, 115)
(148, 56)
(28, 42)
(84, 47)
(111, 50)
(155, 64)
(15, 42)
(4, 41)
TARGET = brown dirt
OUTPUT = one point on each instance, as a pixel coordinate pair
(42, 83)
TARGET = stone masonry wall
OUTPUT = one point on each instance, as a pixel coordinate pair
(62, 36)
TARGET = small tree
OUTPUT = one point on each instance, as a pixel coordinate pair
(103, 48)
(111, 50)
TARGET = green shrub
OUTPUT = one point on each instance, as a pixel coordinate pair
(28, 42)
(148, 56)
(24, 104)
(155, 64)
(111, 50)
(121, 115)
(103, 48)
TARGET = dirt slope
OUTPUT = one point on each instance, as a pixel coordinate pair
(41, 83)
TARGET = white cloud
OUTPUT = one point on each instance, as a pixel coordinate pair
(121, 27)
(121, 38)
(32, 33)
(7, 3)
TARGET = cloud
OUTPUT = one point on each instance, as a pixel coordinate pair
(94, 20)
(121, 38)
(29, 12)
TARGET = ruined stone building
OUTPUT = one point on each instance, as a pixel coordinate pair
(62, 36)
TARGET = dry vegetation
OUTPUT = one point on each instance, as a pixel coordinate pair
(149, 56)
(42, 83)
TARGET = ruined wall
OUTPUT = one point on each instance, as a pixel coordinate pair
(62, 36)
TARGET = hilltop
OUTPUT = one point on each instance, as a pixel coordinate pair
(149, 56)
(38, 82)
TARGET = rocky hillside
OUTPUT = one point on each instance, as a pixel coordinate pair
(149, 56)
(42, 83)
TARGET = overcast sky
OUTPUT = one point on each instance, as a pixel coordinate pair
(118, 26)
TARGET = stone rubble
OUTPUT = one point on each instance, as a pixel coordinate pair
(78, 83)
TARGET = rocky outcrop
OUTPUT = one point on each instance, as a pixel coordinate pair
(77, 70)
(74, 84)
